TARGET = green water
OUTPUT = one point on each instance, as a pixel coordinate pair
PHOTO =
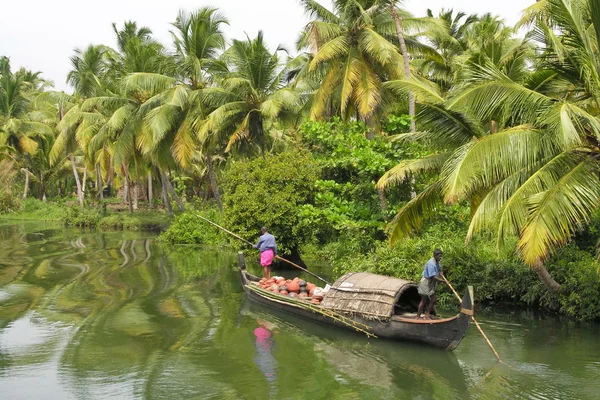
(116, 316)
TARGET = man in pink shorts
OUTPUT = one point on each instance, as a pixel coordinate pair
(268, 250)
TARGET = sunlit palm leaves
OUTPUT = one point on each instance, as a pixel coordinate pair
(354, 57)
(250, 97)
(89, 68)
(25, 114)
(537, 178)
(174, 119)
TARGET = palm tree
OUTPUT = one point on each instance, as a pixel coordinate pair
(542, 184)
(130, 32)
(88, 76)
(355, 48)
(250, 99)
(452, 46)
(173, 123)
(109, 123)
(89, 67)
(351, 56)
(24, 118)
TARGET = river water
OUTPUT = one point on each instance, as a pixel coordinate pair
(117, 316)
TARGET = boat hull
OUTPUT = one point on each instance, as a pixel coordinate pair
(445, 334)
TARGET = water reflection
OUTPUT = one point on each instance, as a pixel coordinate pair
(379, 367)
(101, 315)
(264, 354)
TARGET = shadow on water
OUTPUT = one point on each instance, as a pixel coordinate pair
(114, 315)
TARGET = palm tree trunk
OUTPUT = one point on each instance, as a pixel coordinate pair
(150, 205)
(83, 185)
(213, 181)
(136, 195)
(382, 199)
(411, 96)
(545, 276)
(110, 177)
(126, 191)
(77, 181)
(26, 189)
(165, 193)
(99, 184)
(129, 200)
(126, 188)
(494, 126)
(172, 191)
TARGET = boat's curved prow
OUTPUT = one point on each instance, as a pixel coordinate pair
(464, 318)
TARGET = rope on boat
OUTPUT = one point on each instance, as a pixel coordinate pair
(359, 327)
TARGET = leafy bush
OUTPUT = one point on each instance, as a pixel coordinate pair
(147, 221)
(345, 153)
(82, 217)
(9, 200)
(188, 228)
(396, 124)
(345, 196)
(270, 191)
(35, 209)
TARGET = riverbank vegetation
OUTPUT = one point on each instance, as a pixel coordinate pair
(384, 136)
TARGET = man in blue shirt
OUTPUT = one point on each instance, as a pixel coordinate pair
(431, 274)
(268, 250)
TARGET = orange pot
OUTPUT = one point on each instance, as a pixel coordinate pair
(293, 287)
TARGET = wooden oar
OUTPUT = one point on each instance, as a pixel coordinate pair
(474, 320)
(251, 244)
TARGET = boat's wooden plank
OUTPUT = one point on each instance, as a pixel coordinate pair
(423, 321)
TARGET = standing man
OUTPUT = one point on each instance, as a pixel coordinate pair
(431, 274)
(268, 250)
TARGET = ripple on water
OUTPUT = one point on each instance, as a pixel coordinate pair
(138, 321)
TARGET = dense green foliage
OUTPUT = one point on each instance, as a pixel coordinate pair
(36, 210)
(318, 147)
(9, 201)
(188, 228)
(345, 196)
(500, 279)
(269, 192)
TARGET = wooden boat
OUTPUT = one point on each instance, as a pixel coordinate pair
(377, 305)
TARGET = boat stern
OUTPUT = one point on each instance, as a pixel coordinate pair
(466, 306)
(464, 318)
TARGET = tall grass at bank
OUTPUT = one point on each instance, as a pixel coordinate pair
(88, 216)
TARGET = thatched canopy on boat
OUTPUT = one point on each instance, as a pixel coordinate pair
(368, 295)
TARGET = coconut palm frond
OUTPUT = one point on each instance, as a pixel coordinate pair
(404, 169)
(335, 48)
(425, 91)
(513, 149)
(410, 217)
(556, 214)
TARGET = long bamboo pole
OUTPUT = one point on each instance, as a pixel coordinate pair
(251, 244)
(474, 321)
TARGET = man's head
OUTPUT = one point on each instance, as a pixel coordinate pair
(437, 254)
(264, 230)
